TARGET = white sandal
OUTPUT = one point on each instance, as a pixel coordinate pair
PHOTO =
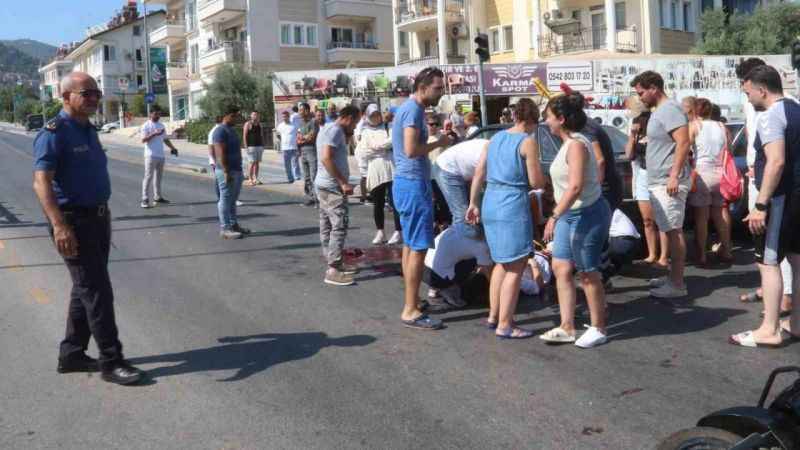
(557, 336)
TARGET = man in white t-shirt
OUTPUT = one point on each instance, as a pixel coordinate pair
(453, 173)
(211, 161)
(624, 241)
(447, 265)
(287, 131)
(154, 137)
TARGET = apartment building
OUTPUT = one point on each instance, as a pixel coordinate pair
(266, 36)
(442, 31)
(51, 73)
(116, 51)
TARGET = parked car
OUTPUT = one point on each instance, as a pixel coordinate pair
(109, 127)
(34, 122)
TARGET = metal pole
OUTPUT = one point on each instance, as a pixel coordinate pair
(146, 57)
(482, 93)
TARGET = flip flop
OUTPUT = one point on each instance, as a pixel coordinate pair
(489, 325)
(746, 339)
(751, 297)
(557, 336)
(792, 337)
(781, 315)
(513, 333)
(423, 322)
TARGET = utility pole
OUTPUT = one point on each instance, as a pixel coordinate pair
(148, 85)
(482, 41)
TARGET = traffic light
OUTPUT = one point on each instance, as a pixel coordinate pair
(796, 54)
(482, 41)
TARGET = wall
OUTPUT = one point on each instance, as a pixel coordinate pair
(679, 42)
(263, 31)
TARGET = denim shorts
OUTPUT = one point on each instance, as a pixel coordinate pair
(413, 200)
(581, 234)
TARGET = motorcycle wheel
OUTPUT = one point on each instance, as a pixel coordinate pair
(700, 438)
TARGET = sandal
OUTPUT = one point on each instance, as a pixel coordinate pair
(751, 297)
(746, 339)
(782, 315)
(557, 336)
(489, 325)
(423, 322)
(513, 333)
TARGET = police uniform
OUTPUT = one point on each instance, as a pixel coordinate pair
(82, 187)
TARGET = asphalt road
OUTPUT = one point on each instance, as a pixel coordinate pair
(246, 348)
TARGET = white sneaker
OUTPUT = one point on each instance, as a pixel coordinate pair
(667, 290)
(591, 338)
(238, 203)
(433, 293)
(396, 238)
(380, 238)
(657, 282)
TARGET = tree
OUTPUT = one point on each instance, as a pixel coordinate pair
(264, 102)
(768, 30)
(233, 86)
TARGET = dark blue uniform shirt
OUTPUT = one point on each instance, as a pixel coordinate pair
(233, 149)
(72, 150)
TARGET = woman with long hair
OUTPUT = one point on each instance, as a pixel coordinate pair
(579, 223)
(509, 167)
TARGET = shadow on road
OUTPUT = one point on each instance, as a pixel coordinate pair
(248, 355)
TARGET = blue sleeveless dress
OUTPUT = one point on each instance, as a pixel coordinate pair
(506, 209)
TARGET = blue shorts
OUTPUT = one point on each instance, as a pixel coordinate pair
(581, 234)
(413, 200)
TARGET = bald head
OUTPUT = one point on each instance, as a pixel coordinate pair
(80, 94)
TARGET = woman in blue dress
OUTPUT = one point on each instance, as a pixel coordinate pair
(509, 168)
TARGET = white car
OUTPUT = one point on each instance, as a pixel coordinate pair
(109, 127)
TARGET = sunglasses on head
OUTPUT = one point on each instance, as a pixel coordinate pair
(86, 93)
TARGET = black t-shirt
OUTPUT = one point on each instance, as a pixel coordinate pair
(612, 182)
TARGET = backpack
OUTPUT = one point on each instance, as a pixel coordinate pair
(730, 184)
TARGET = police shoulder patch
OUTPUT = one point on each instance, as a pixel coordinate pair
(53, 124)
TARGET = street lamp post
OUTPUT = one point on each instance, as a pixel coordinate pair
(148, 85)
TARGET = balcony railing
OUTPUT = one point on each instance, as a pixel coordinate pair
(432, 60)
(419, 9)
(587, 39)
(222, 53)
(356, 45)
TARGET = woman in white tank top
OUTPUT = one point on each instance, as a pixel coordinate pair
(709, 139)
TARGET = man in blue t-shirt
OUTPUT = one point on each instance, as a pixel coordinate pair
(412, 190)
(71, 180)
(228, 172)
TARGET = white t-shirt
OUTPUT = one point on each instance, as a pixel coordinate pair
(751, 117)
(462, 159)
(211, 160)
(296, 119)
(453, 246)
(154, 148)
(288, 134)
(528, 285)
(621, 226)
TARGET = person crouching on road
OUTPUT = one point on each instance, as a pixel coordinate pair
(154, 138)
(72, 184)
(333, 187)
(509, 167)
(228, 172)
(579, 224)
(254, 143)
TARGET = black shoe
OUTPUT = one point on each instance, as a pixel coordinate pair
(122, 373)
(81, 363)
(163, 201)
(309, 203)
(240, 229)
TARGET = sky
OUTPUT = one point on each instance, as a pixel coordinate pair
(54, 21)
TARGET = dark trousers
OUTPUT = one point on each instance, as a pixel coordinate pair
(308, 162)
(379, 195)
(91, 305)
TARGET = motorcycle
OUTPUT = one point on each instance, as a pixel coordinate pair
(747, 427)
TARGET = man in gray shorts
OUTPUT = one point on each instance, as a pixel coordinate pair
(668, 176)
(254, 143)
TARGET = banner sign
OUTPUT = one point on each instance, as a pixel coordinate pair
(158, 70)
(578, 75)
(498, 79)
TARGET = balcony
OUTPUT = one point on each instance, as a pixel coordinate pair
(218, 11)
(360, 53)
(432, 60)
(222, 53)
(421, 15)
(171, 33)
(177, 74)
(355, 9)
(586, 40)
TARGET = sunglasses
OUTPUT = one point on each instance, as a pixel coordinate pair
(86, 93)
(433, 124)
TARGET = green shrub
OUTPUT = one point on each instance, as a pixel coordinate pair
(197, 131)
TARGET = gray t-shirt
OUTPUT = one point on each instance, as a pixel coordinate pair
(660, 145)
(333, 135)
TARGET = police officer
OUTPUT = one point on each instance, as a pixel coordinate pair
(72, 183)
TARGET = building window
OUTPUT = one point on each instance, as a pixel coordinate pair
(426, 51)
(295, 34)
(576, 15)
(707, 4)
(673, 14)
(109, 53)
(619, 15)
(687, 17)
(137, 30)
(453, 46)
(494, 40)
(403, 39)
(139, 81)
(508, 38)
(342, 35)
(194, 57)
(139, 55)
(662, 14)
(191, 23)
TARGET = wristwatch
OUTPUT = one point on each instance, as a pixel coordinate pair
(761, 207)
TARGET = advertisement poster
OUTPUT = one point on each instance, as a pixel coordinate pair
(498, 79)
(158, 70)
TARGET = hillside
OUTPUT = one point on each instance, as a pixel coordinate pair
(34, 49)
(16, 66)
